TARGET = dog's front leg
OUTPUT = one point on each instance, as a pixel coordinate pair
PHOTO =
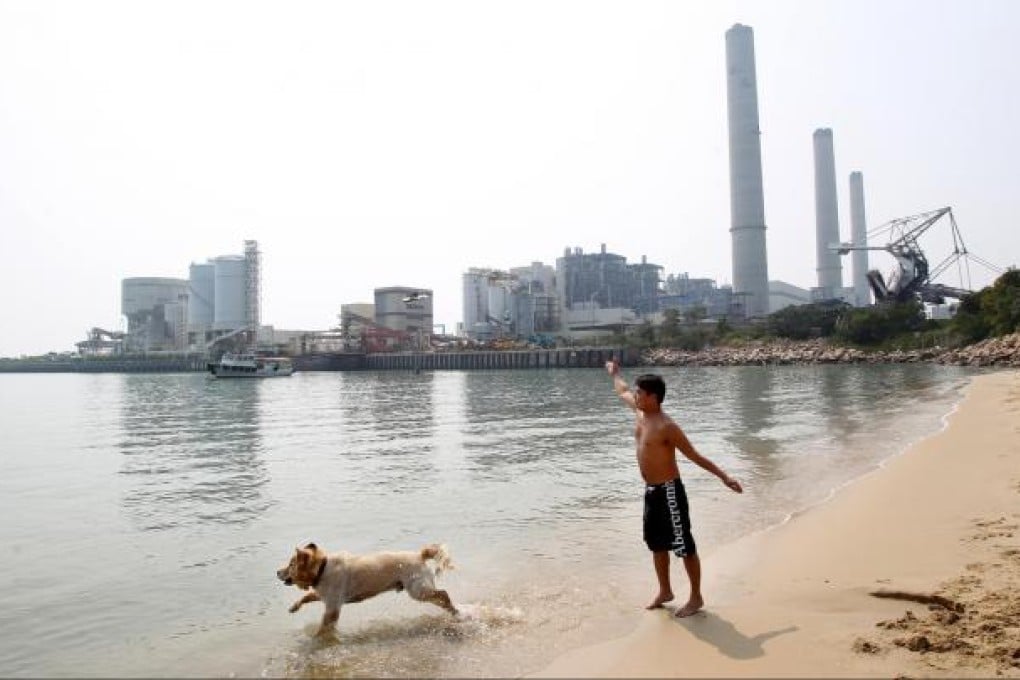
(329, 619)
(310, 596)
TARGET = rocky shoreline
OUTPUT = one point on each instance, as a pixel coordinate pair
(995, 352)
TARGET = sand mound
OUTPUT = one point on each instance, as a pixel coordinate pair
(972, 622)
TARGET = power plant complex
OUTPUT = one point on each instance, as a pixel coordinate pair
(221, 298)
(584, 295)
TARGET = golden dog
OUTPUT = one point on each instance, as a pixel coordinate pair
(341, 577)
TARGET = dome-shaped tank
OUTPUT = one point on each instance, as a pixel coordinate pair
(139, 294)
(229, 296)
(201, 294)
(394, 310)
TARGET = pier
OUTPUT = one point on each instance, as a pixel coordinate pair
(566, 357)
(141, 364)
(577, 357)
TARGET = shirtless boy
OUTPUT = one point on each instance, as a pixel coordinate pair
(667, 525)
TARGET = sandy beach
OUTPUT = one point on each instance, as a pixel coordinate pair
(934, 532)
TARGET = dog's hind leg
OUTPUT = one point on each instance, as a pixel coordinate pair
(310, 596)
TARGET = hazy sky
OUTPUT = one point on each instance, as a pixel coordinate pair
(369, 144)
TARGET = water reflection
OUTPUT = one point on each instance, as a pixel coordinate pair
(524, 419)
(754, 410)
(389, 426)
(191, 451)
(554, 428)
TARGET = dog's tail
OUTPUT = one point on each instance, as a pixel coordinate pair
(440, 555)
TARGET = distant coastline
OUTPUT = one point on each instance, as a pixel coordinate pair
(1001, 352)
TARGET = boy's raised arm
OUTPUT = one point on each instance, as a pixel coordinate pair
(620, 385)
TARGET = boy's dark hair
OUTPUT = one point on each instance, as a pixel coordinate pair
(652, 384)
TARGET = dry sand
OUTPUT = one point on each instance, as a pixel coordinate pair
(939, 522)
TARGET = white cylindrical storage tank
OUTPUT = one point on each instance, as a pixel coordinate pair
(859, 237)
(394, 310)
(390, 308)
(499, 304)
(229, 298)
(830, 270)
(201, 295)
(474, 298)
(747, 199)
(175, 317)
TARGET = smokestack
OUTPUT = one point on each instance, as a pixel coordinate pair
(859, 237)
(830, 270)
(747, 201)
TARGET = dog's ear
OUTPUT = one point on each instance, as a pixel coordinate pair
(311, 546)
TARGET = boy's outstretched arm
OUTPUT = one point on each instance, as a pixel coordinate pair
(684, 445)
(620, 385)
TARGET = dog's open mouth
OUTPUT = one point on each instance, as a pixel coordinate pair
(288, 581)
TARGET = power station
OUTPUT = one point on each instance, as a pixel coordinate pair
(584, 295)
(221, 298)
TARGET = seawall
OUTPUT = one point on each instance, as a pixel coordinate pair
(577, 357)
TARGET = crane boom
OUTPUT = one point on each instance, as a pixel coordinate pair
(913, 278)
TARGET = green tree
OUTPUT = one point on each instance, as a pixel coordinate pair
(875, 325)
(994, 310)
(695, 314)
(799, 322)
(670, 328)
(1003, 308)
(645, 334)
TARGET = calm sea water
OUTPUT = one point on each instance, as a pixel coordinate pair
(145, 515)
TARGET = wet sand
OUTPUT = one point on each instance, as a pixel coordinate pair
(934, 533)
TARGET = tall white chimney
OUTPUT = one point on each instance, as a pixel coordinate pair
(747, 201)
(830, 270)
(859, 237)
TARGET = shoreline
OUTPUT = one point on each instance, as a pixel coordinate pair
(1002, 352)
(938, 520)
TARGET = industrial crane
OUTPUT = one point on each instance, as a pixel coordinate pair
(100, 340)
(913, 278)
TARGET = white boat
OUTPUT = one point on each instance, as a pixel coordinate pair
(248, 365)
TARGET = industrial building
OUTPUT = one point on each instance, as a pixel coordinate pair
(225, 297)
(220, 299)
(156, 313)
(407, 312)
(685, 294)
(535, 303)
(519, 302)
(584, 293)
(782, 294)
(604, 280)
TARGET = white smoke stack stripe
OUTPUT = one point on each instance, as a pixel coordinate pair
(859, 237)
(830, 271)
(747, 203)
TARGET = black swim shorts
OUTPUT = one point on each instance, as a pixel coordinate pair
(667, 521)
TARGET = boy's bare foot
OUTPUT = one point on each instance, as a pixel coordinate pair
(660, 600)
(693, 605)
